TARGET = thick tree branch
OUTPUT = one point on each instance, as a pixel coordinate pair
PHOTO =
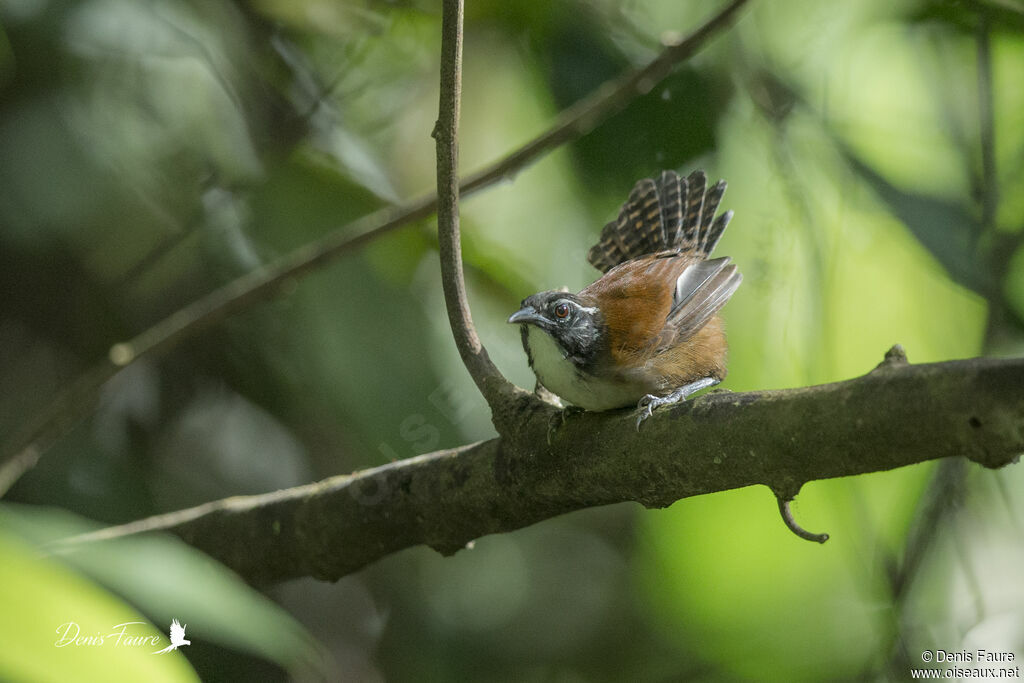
(495, 388)
(77, 401)
(896, 415)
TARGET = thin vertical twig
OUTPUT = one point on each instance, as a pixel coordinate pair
(495, 388)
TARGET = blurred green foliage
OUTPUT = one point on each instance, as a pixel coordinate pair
(150, 151)
(58, 607)
(164, 577)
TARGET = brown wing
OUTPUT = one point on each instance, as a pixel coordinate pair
(703, 355)
(653, 304)
(636, 300)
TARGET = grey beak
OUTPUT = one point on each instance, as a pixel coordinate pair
(526, 314)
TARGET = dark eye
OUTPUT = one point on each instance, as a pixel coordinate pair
(562, 311)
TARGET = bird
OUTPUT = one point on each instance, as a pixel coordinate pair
(177, 638)
(647, 332)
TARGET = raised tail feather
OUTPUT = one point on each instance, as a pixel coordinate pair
(671, 214)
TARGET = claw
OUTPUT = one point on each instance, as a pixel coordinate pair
(646, 412)
(648, 403)
(561, 417)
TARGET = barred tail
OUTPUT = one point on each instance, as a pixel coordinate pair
(671, 214)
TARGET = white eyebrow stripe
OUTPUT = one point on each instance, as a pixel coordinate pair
(570, 302)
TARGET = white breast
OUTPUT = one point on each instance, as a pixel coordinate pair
(559, 375)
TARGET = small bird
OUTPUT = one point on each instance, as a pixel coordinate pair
(648, 331)
(177, 638)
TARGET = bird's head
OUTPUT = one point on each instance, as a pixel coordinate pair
(574, 324)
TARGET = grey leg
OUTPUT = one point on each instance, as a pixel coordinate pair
(649, 402)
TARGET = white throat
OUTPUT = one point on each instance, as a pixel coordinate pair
(560, 375)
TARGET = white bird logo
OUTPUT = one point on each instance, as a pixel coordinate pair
(177, 638)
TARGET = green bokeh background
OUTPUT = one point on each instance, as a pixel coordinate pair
(153, 150)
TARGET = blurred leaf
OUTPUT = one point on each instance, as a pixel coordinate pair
(495, 262)
(40, 596)
(170, 580)
(666, 128)
(963, 16)
(6, 59)
(357, 159)
(946, 229)
(1015, 282)
(755, 599)
(338, 20)
(663, 128)
(306, 197)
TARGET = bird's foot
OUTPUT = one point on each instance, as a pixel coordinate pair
(571, 411)
(649, 402)
(558, 420)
